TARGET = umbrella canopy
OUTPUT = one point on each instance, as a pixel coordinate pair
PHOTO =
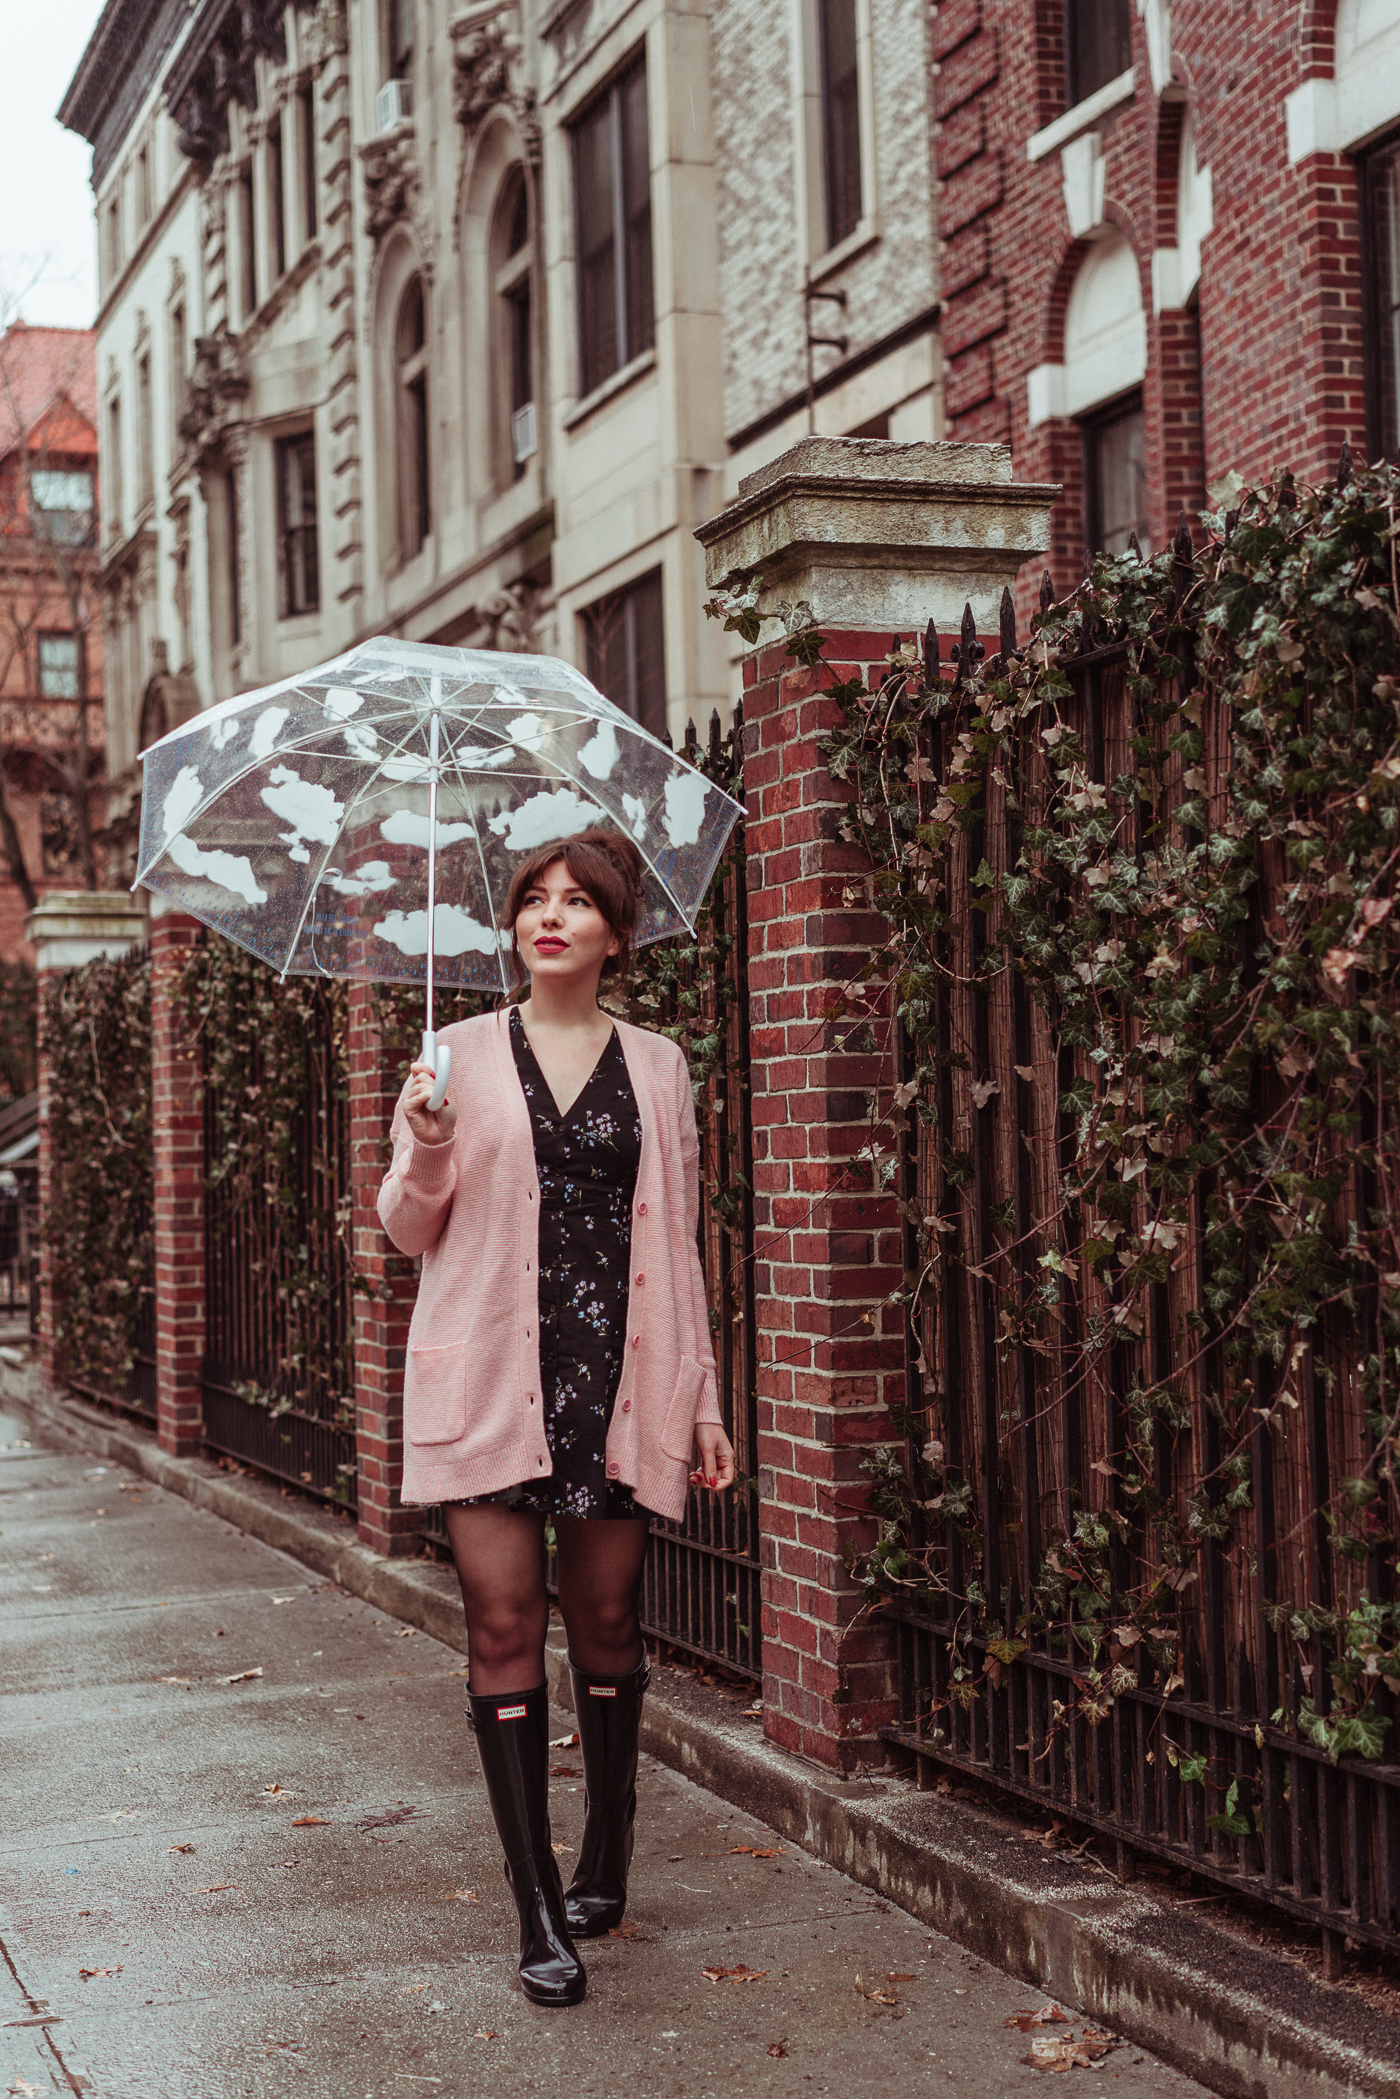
(296, 819)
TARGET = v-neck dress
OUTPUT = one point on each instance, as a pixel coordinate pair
(587, 1166)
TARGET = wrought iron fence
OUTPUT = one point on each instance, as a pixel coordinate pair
(277, 1378)
(1038, 1435)
(701, 1585)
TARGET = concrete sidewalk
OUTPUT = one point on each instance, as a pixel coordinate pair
(1244, 2020)
(248, 1851)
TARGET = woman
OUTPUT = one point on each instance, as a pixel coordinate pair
(559, 1363)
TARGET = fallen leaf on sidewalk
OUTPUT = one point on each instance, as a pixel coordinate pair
(461, 1895)
(277, 1792)
(753, 1851)
(739, 1974)
(88, 1974)
(244, 1676)
(285, 1599)
(776, 2048)
(625, 1930)
(565, 1771)
(413, 1988)
(563, 1741)
(20, 2090)
(406, 1632)
(220, 1887)
(892, 1977)
(310, 1822)
(1048, 2015)
(482, 2035)
(179, 1847)
(877, 1996)
(389, 1817)
(1069, 2054)
(172, 1679)
(559, 1849)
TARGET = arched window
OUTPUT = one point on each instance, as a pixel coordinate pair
(411, 374)
(1105, 363)
(510, 256)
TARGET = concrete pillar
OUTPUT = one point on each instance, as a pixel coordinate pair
(866, 539)
(69, 928)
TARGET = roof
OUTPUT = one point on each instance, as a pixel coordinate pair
(43, 370)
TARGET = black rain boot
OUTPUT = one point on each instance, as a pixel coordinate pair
(608, 1710)
(512, 1739)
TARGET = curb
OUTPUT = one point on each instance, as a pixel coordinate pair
(1238, 2019)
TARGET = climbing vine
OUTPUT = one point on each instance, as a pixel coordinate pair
(1198, 907)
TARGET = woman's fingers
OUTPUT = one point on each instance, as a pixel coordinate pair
(716, 1469)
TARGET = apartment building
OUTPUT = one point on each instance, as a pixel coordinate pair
(1172, 245)
(455, 322)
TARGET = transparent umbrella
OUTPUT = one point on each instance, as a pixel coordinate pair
(364, 819)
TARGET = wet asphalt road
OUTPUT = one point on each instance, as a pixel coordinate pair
(216, 1883)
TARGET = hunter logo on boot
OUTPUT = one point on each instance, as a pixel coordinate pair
(602, 1690)
(510, 1712)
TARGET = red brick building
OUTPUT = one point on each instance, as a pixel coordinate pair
(50, 632)
(1172, 245)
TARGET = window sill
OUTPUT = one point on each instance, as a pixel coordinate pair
(292, 624)
(616, 383)
(1082, 116)
(863, 235)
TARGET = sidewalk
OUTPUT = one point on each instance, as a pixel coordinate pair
(130, 1727)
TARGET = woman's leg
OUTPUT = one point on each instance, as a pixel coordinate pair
(600, 1586)
(500, 1560)
(600, 1578)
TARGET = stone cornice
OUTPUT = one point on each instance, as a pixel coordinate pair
(117, 71)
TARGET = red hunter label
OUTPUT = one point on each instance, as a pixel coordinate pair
(602, 1690)
(510, 1712)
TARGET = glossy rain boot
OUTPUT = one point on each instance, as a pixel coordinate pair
(512, 1739)
(608, 1710)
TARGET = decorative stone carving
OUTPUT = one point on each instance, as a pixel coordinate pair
(486, 48)
(509, 620)
(392, 180)
(218, 387)
(250, 29)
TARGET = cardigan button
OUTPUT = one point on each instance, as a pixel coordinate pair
(636, 1341)
(613, 1471)
(626, 1406)
(641, 1209)
(641, 1278)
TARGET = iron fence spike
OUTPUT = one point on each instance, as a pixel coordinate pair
(1345, 464)
(1007, 624)
(1047, 590)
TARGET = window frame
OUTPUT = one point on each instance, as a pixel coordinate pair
(513, 290)
(247, 246)
(626, 600)
(1372, 317)
(413, 426)
(56, 534)
(75, 671)
(593, 373)
(112, 478)
(1074, 89)
(275, 185)
(310, 201)
(836, 235)
(1092, 423)
(298, 539)
(145, 432)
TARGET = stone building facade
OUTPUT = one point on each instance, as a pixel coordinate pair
(455, 323)
(1172, 245)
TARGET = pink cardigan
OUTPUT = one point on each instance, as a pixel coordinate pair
(473, 1419)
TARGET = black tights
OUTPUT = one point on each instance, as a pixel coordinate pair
(500, 1559)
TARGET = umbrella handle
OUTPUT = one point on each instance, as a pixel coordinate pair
(440, 1057)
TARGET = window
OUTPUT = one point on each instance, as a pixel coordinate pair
(625, 650)
(59, 666)
(297, 566)
(1380, 190)
(398, 39)
(1098, 46)
(612, 187)
(840, 118)
(276, 224)
(1115, 478)
(114, 232)
(248, 261)
(112, 464)
(232, 529)
(179, 376)
(515, 345)
(143, 185)
(64, 500)
(411, 362)
(145, 436)
(306, 113)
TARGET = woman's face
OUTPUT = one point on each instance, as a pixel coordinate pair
(559, 929)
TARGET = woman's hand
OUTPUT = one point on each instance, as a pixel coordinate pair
(716, 1468)
(428, 1129)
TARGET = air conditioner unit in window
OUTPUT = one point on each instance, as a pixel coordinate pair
(393, 104)
(524, 439)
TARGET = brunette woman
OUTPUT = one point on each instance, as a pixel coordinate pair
(559, 1363)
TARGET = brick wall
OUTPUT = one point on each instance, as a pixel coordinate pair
(177, 1103)
(827, 1247)
(1270, 371)
(383, 1309)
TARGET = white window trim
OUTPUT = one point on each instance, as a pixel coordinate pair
(816, 260)
(1083, 115)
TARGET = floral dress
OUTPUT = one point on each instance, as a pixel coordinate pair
(587, 1166)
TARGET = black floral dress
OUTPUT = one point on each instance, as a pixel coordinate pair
(587, 1166)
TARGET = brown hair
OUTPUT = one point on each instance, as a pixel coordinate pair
(605, 863)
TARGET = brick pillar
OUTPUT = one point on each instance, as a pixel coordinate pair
(177, 1114)
(68, 928)
(869, 538)
(382, 1310)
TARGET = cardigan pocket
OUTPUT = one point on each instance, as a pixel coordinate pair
(678, 1429)
(435, 1395)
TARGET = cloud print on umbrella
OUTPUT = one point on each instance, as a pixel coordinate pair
(291, 819)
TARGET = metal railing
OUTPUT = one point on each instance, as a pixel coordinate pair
(1038, 1435)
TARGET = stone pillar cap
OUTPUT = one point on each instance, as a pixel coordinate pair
(870, 534)
(73, 926)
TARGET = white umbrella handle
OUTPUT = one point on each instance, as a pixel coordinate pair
(439, 1056)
